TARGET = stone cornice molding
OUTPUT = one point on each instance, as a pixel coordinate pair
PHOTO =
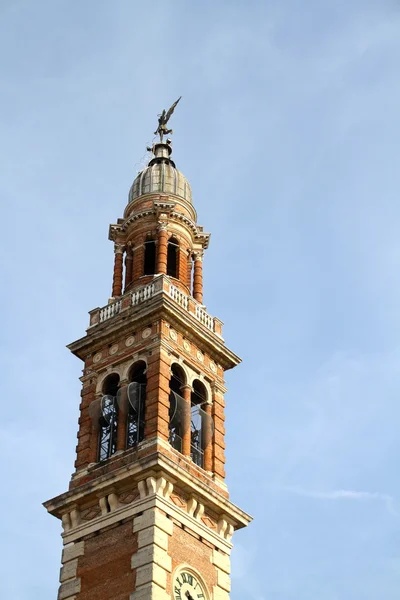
(153, 465)
(173, 216)
(162, 200)
(161, 306)
(164, 207)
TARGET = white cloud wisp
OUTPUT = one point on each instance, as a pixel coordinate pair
(344, 495)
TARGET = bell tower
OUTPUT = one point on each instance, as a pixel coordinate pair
(147, 515)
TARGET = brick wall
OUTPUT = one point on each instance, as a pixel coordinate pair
(105, 568)
(185, 547)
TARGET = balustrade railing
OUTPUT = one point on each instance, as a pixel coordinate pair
(179, 296)
(143, 294)
(161, 284)
(110, 310)
(204, 317)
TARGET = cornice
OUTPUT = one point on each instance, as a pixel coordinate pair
(155, 463)
(120, 229)
(161, 199)
(160, 306)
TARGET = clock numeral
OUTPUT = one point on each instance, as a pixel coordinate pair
(200, 595)
(177, 592)
(187, 578)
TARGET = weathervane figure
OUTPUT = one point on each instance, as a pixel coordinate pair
(163, 120)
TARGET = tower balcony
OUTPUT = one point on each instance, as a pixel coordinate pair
(161, 285)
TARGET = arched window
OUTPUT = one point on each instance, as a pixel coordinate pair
(200, 423)
(108, 417)
(173, 258)
(136, 393)
(176, 407)
(149, 257)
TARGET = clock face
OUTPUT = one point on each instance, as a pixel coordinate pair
(186, 586)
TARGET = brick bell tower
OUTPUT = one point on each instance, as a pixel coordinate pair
(147, 515)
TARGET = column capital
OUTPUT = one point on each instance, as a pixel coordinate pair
(186, 386)
(198, 255)
(217, 387)
(162, 226)
(119, 248)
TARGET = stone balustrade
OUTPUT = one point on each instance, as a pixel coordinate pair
(109, 311)
(160, 285)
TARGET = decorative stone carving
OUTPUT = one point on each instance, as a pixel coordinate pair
(128, 497)
(191, 506)
(162, 226)
(87, 514)
(146, 333)
(97, 357)
(178, 500)
(151, 485)
(198, 256)
(130, 341)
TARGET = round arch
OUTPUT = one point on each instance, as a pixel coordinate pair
(178, 377)
(126, 368)
(199, 393)
(103, 377)
(137, 371)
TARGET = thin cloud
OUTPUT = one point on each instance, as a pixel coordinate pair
(344, 495)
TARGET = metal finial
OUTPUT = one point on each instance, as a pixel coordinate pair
(163, 120)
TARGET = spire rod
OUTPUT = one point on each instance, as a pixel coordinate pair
(163, 119)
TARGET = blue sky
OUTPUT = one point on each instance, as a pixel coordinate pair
(288, 132)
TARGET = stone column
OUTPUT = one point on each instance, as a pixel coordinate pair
(118, 268)
(128, 266)
(162, 249)
(186, 421)
(198, 277)
(122, 417)
(208, 437)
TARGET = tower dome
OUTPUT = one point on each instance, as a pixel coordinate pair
(160, 176)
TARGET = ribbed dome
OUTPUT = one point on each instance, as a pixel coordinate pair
(161, 176)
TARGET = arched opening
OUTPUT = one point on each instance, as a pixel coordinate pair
(176, 407)
(201, 427)
(110, 384)
(108, 417)
(136, 396)
(149, 257)
(173, 258)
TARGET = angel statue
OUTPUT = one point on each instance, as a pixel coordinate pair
(163, 120)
